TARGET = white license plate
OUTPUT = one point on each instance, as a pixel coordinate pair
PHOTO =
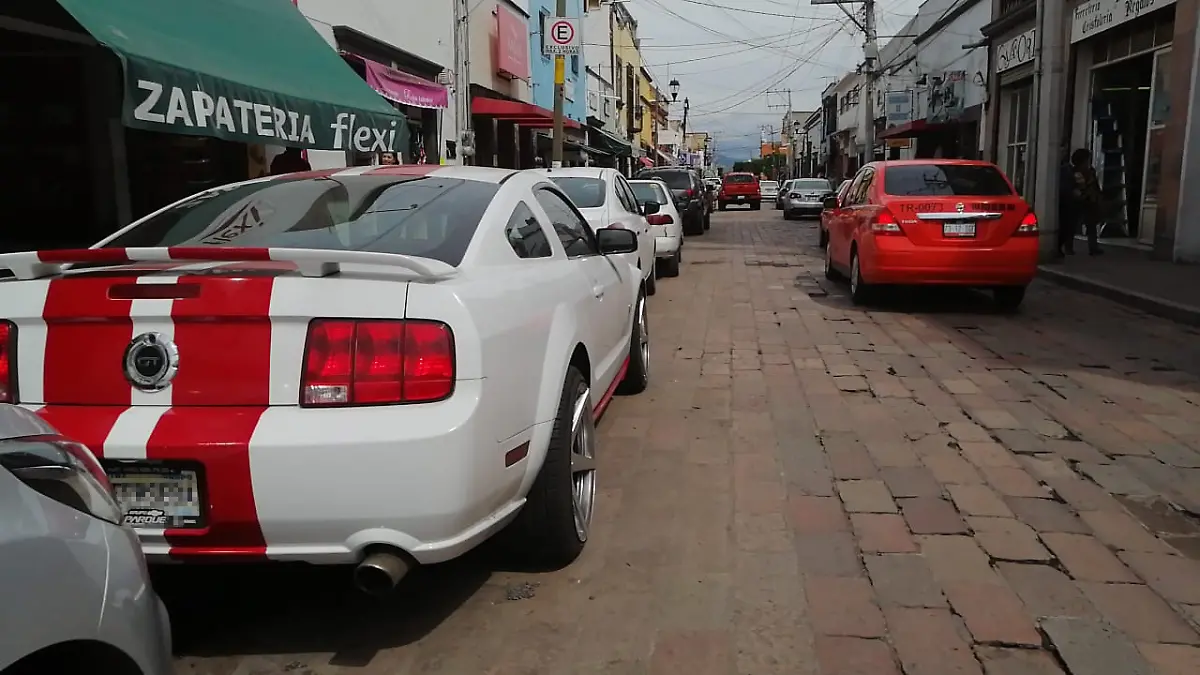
(958, 229)
(740, 198)
(156, 497)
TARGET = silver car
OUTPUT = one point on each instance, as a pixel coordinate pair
(806, 198)
(769, 190)
(77, 596)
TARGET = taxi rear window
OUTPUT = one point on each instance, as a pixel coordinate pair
(740, 178)
(949, 180)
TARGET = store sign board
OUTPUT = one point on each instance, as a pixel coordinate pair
(1093, 17)
(563, 36)
(899, 107)
(1015, 51)
(947, 97)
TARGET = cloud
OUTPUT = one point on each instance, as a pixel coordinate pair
(727, 55)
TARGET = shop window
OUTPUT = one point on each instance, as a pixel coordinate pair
(542, 16)
(1016, 143)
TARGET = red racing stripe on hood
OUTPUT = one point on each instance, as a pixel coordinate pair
(220, 438)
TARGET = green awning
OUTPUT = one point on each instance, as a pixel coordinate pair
(608, 142)
(252, 71)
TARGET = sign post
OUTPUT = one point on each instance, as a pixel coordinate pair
(560, 38)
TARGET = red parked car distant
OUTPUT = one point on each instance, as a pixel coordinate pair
(739, 188)
(932, 221)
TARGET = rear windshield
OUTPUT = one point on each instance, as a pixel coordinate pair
(676, 180)
(813, 185)
(769, 184)
(956, 180)
(587, 193)
(649, 192)
(426, 216)
(743, 178)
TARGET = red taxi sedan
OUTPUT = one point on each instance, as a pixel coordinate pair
(932, 221)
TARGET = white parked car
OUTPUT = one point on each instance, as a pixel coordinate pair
(379, 366)
(606, 200)
(769, 190)
(666, 225)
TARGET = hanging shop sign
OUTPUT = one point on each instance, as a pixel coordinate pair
(1015, 51)
(899, 107)
(947, 97)
(1096, 16)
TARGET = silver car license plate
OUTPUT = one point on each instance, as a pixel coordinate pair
(958, 229)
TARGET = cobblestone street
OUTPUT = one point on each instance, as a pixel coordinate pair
(927, 488)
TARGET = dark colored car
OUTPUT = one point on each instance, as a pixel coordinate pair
(740, 188)
(689, 193)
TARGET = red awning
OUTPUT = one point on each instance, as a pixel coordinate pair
(525, 114)
(912, 129)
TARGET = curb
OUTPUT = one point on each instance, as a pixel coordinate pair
(1167, 309)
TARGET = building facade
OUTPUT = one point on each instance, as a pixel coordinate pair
(627, 67)
(1012, 34)
(605, 123)
(542, 66)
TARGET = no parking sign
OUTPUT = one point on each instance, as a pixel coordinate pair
(561, 36)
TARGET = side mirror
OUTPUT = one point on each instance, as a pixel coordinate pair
(650, 208)
(830, 203)
(613, 241)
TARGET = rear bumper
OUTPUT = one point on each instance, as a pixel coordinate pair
(319, 486)
(741, 199)
(803, 208)
(895, 260)
(666, 246)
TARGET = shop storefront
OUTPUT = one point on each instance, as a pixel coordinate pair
(1013, 63)
(163, 98)
(617, 149)
(408, 82)
(1122, 55)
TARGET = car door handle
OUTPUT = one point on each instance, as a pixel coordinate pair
(598, 291)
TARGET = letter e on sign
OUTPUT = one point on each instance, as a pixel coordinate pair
(561, 36)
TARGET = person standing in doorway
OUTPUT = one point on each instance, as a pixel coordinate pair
(1068, 208)
(289, 161)
(1087, 196)
(388, 158)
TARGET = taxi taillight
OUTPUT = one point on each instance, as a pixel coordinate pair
(886, 224)
(8, 362)
(1028, 226)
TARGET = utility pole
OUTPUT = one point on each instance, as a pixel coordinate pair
(683, 127)
(870, 57)
(464, 135)
(560, 67)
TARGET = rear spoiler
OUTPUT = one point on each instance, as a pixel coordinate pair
(309, 261)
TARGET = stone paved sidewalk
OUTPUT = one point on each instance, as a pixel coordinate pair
(925, 488)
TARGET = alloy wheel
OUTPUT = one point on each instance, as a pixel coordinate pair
(583, 463)
(644, 338)
(854, 274)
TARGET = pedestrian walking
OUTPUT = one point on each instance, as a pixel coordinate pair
(1088, 200)
(289, 161)
(387, 158)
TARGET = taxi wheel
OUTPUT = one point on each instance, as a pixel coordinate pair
(652, 282)
(1008, 298)
(860, 291)
(670, 266)
(722, 206)
(823, 237)
(831, 272)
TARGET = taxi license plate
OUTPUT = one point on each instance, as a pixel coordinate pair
(156, 496)
(740, 198)
(958, 228)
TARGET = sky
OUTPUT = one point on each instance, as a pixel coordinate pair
(727, 55)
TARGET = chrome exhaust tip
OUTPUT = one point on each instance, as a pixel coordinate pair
(380, 572)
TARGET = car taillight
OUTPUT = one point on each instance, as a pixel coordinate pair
(660, 219)
(886, 224)
(8, 362)
(376, 362)
(1028, 226)
(62, 470)
(689, 193)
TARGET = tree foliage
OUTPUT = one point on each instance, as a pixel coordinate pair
(772, 167)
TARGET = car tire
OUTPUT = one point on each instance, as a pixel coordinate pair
(694, 227)
(861, 293)
(822, 237)
(831, 272)
(551, 529)
(707, 221)
(637, 374)
(670, 266)
(721, 206)
(652, 282)
(756, 207)
(1008, 298)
